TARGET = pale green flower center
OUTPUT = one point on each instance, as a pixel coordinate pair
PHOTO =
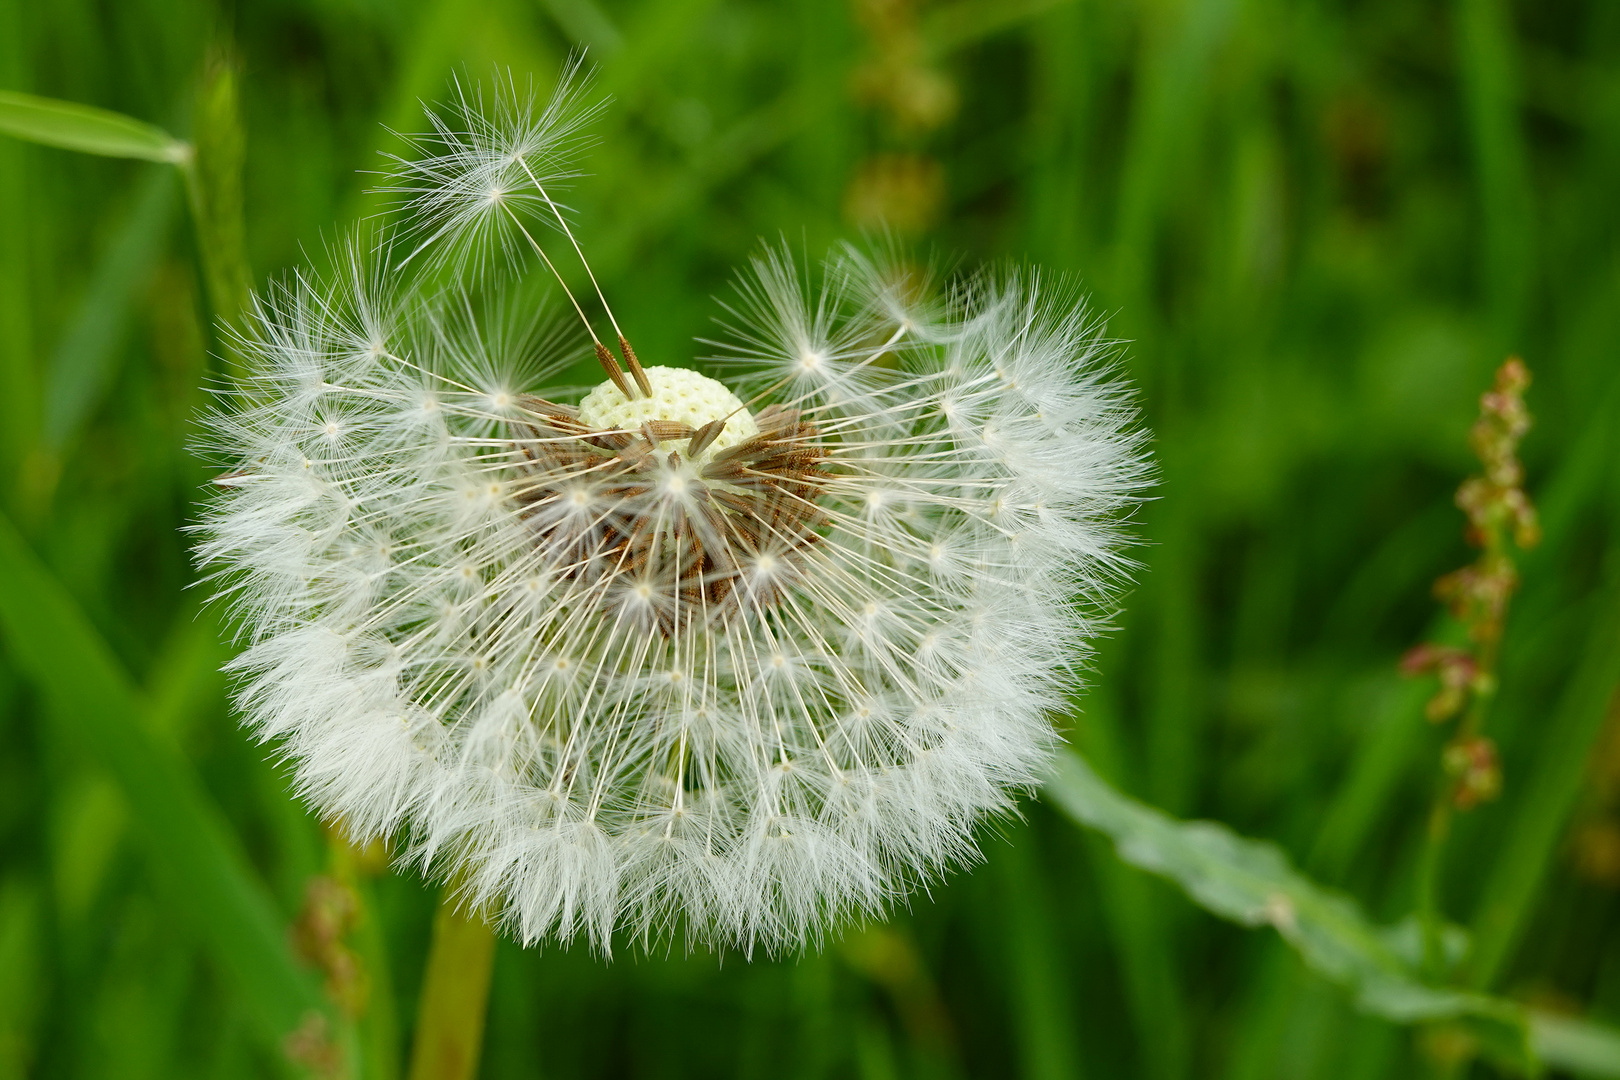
(679, 395)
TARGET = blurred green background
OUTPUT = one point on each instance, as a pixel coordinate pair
(1321, 224)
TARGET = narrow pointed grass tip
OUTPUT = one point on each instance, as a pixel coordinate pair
(730, 657)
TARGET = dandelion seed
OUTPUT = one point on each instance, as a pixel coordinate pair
(732, 658)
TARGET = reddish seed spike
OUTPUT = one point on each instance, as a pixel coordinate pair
(635, 366)
(611, 366)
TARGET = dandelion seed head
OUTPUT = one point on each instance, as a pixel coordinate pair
(735, 656)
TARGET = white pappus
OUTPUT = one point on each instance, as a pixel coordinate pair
(734, 659)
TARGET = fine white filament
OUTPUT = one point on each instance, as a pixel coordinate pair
(640, 678)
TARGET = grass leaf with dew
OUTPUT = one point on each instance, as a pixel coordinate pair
(87, 129)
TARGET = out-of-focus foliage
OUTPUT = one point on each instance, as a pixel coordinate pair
(1322, 225)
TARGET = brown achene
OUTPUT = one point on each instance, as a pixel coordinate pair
(640, 524)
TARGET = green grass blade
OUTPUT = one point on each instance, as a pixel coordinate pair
(379, 1025)
(585, 22)
(1563, 747)
(1252, 883)
(198, 861)
(214, 183)
(19, 409)
(1064, 70)
(22, 972)
(87, 129)
(1138, 929)
(1135, 911)
(1166, 113)
(1175, 702)
(1381, 758)
(1485, 44)
(949, 27)
(1043, 1009)
(83, 366)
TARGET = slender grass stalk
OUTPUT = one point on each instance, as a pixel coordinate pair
(19, 390)
(213, 178)
(455, 994)
(1436, 833)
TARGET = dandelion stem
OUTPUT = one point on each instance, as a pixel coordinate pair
(455, 991)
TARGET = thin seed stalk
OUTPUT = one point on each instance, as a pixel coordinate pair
(455, 994)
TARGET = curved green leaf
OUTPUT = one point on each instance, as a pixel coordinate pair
(1583, 1048)
(1253, 883)
(87, 129)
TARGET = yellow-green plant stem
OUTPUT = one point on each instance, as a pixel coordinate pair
(455, 992)
(1439, 827)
